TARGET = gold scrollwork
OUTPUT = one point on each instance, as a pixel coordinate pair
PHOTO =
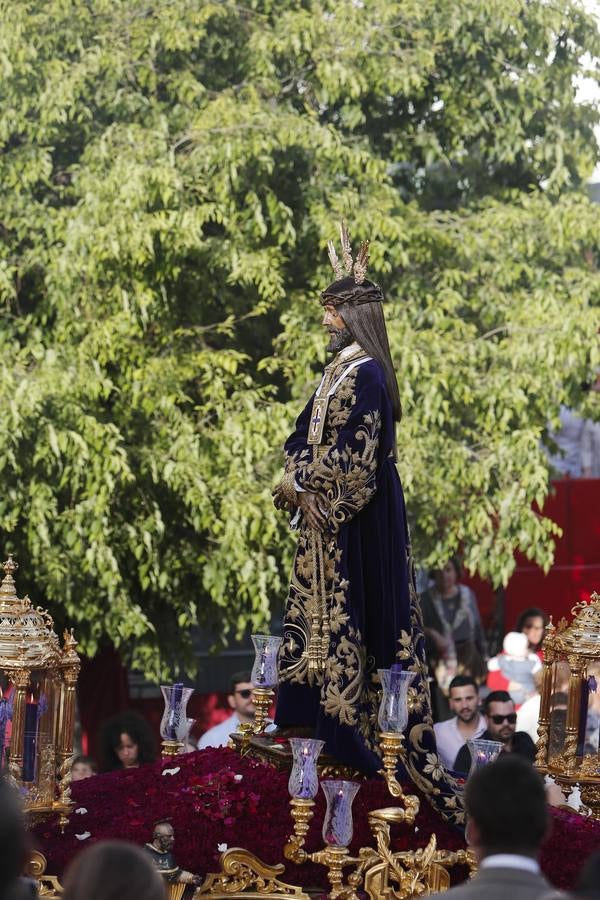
(244, 874)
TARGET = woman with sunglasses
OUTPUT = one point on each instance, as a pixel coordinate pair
(241, 702)
(501, 721)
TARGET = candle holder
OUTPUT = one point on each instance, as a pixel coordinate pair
(482, 753)
(303, 786)
(337, 834)
(174, 727)
(37, 707)
(264, 678)
(393, 719)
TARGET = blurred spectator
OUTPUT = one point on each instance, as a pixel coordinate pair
(532, 622)
(567, 460)
(14, 846)
(501, 725)
(588, 884)
(529, 712)
(467, 724)
(455, 642)
(507, 824)
(240, 700)
(83, 767)
(514, 668)
(127, 742)
(113, 870)
(590, 441)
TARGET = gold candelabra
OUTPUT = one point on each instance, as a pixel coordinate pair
(379, 871)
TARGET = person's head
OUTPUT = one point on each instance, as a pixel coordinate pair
(127, 741)
(13, 837)
(240, 698)
(532, 622)
(82, 767)
(163, 836)
(506, 808)
(515, 644)
(112, 870)
(359, 303)
(448, 576)
(500, 716)
(463, 698)
(340, 335)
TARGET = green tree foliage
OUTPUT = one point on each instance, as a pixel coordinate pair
(171, 172)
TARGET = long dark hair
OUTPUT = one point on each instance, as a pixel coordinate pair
(132, 723)
(113, 870)
(367, 324)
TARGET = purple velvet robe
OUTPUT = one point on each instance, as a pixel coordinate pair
(362, 566)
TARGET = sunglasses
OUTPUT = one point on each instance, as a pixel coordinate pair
(245, 693)
(511, 718)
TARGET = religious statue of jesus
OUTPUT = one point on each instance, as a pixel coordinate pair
(352, 606)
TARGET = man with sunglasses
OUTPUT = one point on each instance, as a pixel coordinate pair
(240, 700)
(501, 725)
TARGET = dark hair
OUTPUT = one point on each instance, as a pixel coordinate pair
(366, 321)
(85, 761)
(13, 837)
(244, 677)
(132, 723)
(112, 870)
(507, 801)
(496, 697)
(462, 681)
(532, 612)
(588, 884)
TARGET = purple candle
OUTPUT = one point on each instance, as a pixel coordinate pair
(395, 673)
(29, 747)
(4, 716)
(174, 710)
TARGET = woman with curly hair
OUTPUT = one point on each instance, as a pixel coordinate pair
(127, 742)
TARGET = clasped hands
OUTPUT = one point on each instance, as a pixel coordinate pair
(307, 503)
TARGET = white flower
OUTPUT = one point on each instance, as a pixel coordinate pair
(80, 811)
(237, 777)
(171, 771)
(222, 847)
(84, 836)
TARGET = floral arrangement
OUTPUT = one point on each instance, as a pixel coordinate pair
(215, 800)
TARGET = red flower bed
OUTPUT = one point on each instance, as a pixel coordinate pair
(215, 798)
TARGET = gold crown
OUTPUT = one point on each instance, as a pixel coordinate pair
(357, 266)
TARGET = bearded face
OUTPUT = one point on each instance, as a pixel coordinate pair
(338, 339)
(340, 335)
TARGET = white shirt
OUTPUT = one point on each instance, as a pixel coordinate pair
(511, 861)
(218, 736)
(528, 715)
(450, 740)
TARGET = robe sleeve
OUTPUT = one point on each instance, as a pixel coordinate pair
(297, 451)
(345, 477)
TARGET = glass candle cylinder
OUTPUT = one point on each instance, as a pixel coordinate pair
(174, 723)
(393, 709)
(264, 671)
(482, 753)
(337, 825)
(304, 779)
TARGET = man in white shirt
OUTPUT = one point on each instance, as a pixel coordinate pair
(507, 824)
(241, 702)
(467, 724)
